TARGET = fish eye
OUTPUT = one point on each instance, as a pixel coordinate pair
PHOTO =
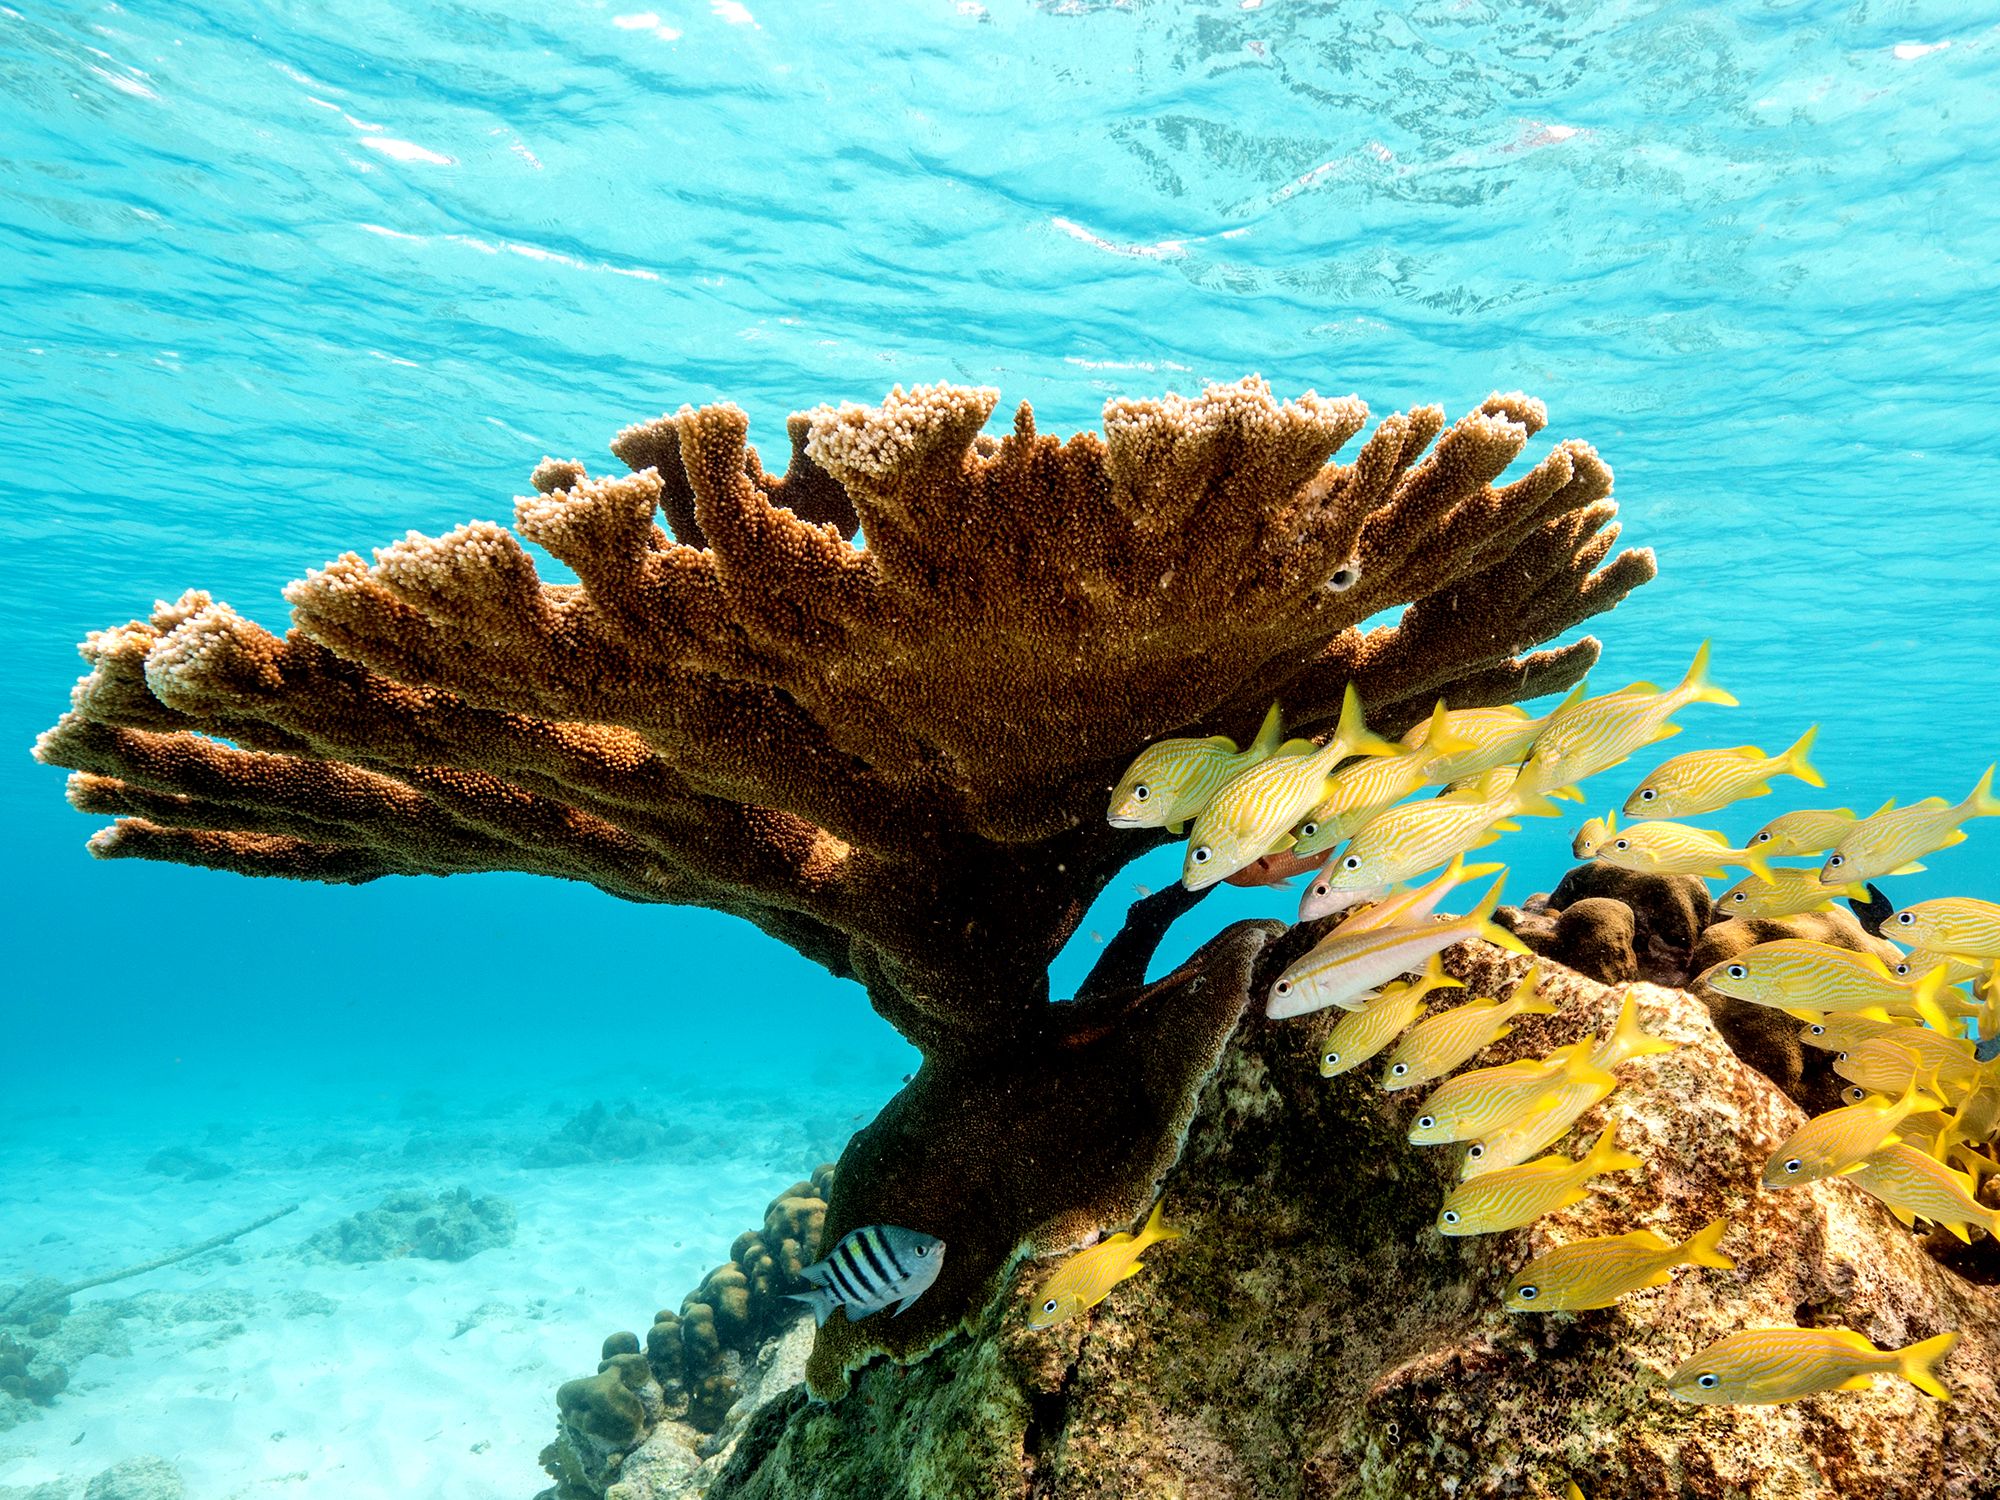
(1425, 1122)
(1737, 971)
(1400, 1069)
(1738, 896)
(1344, 577)
(1708, 1382)
(1818, 1028)
(1450, 1216)
(1840, 1057)
(1142, 791)
(1647, 795)
(1474, 1151)
(1854, 1094)
(1050, 1305)
(1902, 971)
(1622, 844)
(1331, 1059)
(1282, 987)
(1352, 862)
(1906, 919)
(1528, 1293)
(1201, 854)
(1322, 889)
(1836, 861)
(1307, 830)
(1762, 838)
(923, 1250)
(1793, 1165)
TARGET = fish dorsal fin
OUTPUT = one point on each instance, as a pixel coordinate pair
(1270, 734)
(1221, 742)
(1640, 687)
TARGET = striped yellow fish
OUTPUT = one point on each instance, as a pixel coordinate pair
(1597, 1272)
(1407, 840)
(1257, 808)
(1920, 961)
(1785, 894)
(1961, 925)
(1598, 733)
(1530, 1135)
(1890, 842)
(1354, 960)
(1441, 1042)
(1915, 1185)
(1518, 1196)
(1761, 1365)
(1491, 737)
(1594, 834)
(1703, 781)
(1358, 1036)
(1835, 1142)
(1173, 780)
(1406, 908)
(1357, 794)
(1087, 1277)
(1837, 1032)
(1801, 976)
(1473, 1103)
(1890, 1064)
(1675, 849)
(1809, 831)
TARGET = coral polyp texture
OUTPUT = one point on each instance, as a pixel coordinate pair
(891, 753)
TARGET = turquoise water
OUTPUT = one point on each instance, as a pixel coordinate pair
(282, 281)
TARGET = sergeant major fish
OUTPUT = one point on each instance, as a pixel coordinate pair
(870, 1268)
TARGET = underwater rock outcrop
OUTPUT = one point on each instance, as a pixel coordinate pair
(1312, 1335)
(891, 756)
(451, 1225)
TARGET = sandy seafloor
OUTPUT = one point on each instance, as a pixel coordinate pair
(257, 1370)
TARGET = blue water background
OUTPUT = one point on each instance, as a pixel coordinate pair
(279, 281)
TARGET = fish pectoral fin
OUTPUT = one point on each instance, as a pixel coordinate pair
(1664, 732)
(1912, 868)
(1130, 1271)
(1858, 1383)
(1177, 828)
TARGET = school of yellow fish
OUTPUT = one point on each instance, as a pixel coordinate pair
(1920, 1124)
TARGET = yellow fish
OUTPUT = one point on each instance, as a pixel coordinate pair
(1889, 842)
(1960, 925)
(1571, 1492)
(1835, 1142)
(1490, 737)
(1920, 961)
(1762, 1365)
(1703, 781)
(1441, 1042)
(1594, 834)
(1598, 733)
(1356, 959)
(1257, 808)
(1087, 1277)
(1597, 1272)
(1914, 1185)
(1363, 1033)
(1675, 849)
(1801, 976)
(1357, 794)
(1518, 1196)
(1406, 841)
(1810, 831)
(1533, 1133)
(1785, 894)
(1891, 1064)
(1835, 1033)
(1171, 781)
(1473, 1103)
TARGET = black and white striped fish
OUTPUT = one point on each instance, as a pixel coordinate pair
(870, 1268)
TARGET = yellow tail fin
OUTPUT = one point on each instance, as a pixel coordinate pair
(1270, 735)
(1924, 1000)
(1355, 734)
(1699, 1248)
(1696, 688)
(1627, 1040)
(1156, 1229)
(1918, 1364)
(1483, 925)
(1580, 1067)
(1796, 762)
(1982, 803)
(1434, 978)
(1756, 864)
(1438, 738)
(1604, 1155)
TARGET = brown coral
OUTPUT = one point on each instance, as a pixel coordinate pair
(890, 756)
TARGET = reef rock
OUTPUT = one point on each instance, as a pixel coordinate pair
(452, 1226)
(145, 1478)
(599, 1134)
(1313, 1335)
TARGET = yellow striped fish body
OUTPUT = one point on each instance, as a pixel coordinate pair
(1915, 1185)
(1920, 961)
(1441, 1042)
(1838, 1033)
(1891, 841)
(1832, 1143)
(1675, 849)
(1594, 835)
(1801, 976)
(1597, 1272)
(1785, 894)
(1360, 1035)
(1703, 781)
(1808, 831)
(1960, 925)
(1257, 807)
(1171, 781)
(1473, 1103)
(1491, 737)
(1598, 733)
(1761, 1365)
(1533, 1133)
(1346, 965)
(1355, 796)
(1891, 1064)
(1515, 1198)
(1086, 1278)
(1406, 841)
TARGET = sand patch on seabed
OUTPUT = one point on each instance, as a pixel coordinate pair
(259, 1369)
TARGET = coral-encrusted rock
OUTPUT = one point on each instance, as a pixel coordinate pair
(1312, 1334)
